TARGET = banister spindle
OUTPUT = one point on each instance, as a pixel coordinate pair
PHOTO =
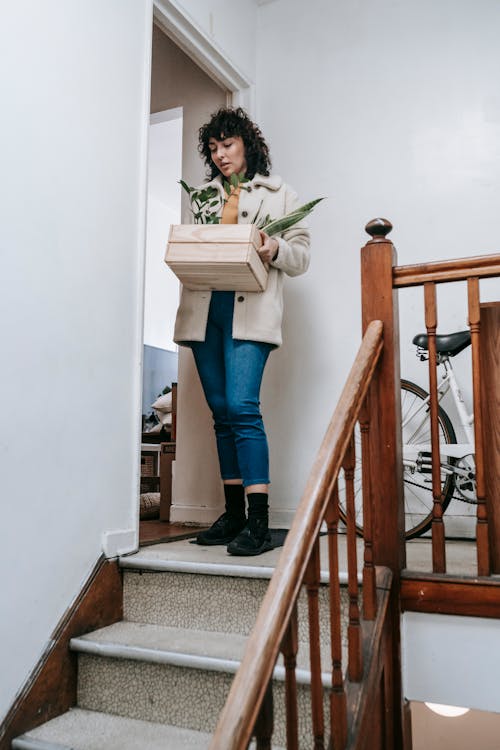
(312, 581)
(369, 587)
(355, 662)
(263, 729)
(338, 701)
(438, 545)
(483, 553)
(289, 648)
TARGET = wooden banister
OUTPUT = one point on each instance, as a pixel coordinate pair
(372, 397)
(483, 266)
(234, 729)
(471, 270)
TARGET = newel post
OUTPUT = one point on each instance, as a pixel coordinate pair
(380, 302)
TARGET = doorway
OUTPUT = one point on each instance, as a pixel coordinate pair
(183, 96)
(161, 290)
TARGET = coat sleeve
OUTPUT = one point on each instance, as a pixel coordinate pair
(293, 253)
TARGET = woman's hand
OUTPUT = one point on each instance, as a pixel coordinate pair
(269, 248)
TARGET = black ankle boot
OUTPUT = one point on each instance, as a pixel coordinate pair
(255, 537)
(229, 525)
(222, 531)
(253, 540)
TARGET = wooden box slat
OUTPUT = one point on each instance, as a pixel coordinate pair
(207, 257)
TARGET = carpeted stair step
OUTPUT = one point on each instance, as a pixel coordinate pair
(174, 585)
(174, 676)
(79, 729)
(160, 677)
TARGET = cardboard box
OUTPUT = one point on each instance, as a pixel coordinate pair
(207, 257)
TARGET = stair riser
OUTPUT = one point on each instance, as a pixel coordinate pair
(206, 602)
(189, 698)
(200, 602)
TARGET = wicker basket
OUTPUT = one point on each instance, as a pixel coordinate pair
(208, 257)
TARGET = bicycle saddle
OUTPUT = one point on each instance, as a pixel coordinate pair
(450, 343)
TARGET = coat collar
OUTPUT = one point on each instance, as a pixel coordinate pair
(272, 182)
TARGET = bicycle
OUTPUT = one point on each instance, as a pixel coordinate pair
(458, 473)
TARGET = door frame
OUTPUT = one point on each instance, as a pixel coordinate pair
(196, 43)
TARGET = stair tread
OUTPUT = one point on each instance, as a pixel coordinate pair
(80, 729)
(185, 557)
(197, 649)
(157, 641)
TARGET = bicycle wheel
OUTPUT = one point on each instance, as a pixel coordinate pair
(416, 430)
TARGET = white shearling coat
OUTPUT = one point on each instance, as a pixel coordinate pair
(257, 315)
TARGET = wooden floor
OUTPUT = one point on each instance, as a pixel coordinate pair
(154, 532)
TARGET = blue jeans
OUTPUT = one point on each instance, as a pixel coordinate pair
(231, 372)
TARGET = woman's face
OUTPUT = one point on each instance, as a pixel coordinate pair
(228, 154)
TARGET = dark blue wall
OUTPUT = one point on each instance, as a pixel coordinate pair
(160, 369)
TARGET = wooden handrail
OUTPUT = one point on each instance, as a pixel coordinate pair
(428, 275)
(460, 269)
(240, 712)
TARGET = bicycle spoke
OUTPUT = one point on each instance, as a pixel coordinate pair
(418, 500)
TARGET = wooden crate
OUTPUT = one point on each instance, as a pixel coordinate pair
(208, 257)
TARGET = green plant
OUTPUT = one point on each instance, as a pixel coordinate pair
(273, 227)
(206, 202)
(206, 206)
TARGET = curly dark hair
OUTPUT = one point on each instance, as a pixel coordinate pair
(227, 122)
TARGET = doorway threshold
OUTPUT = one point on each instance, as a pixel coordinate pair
(154, 531)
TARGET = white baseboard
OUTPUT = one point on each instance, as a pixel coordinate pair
(281, 518)
(119, 542)
(194, 514)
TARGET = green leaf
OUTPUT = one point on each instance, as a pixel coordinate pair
(186, 187)
(234, 180)
(286, 222)
(309, 206)
(289, 220)
(264, 221)
(254, 220)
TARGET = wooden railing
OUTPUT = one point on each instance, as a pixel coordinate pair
(428, 276)
(366, 710)
(249, 706)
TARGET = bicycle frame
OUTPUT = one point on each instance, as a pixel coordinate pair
(412, 454)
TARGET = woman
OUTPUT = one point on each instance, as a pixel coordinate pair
(231, 335)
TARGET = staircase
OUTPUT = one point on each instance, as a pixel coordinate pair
(159, 678)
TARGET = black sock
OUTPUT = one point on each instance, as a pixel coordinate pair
(235, 500)
(258, 506)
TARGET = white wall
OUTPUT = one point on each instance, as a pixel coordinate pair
(231, 25)
(451, 660)
(75, 113)
(389, 109)
(161, 291)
